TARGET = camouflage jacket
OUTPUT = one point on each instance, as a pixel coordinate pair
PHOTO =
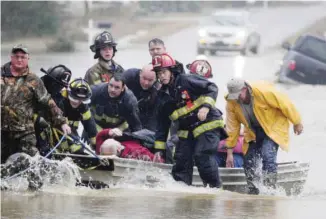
(102, 72)
(19, 97)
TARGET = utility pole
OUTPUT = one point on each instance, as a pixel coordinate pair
(89, 30)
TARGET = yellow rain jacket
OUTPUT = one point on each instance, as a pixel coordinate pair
(273, 111)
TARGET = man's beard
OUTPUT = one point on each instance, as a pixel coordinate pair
(247, 100)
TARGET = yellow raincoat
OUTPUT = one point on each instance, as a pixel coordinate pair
(273, 111)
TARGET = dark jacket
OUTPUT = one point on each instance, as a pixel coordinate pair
(147, 99)
(114, 112)
(53, 88)
(180, 101)
(80, 114)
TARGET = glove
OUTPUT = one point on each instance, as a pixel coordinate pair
(85, 137)
(115, 132)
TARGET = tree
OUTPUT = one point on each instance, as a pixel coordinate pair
(29, 18)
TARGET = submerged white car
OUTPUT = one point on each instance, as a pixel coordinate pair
(228, 31)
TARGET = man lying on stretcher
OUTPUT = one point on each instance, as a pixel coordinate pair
(127, 145)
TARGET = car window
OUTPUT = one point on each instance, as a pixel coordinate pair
(314, 48)
(225, 20)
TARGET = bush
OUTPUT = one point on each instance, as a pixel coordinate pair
(61, 44)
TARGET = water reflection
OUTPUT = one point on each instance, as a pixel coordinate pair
(133, 204)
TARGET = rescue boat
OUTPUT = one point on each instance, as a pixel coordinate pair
(108, 170)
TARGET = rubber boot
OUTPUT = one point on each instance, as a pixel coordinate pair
(253, 191)
(270, 180)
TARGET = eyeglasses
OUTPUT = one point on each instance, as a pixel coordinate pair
(20, 57)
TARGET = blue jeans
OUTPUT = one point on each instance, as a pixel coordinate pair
(263, 150)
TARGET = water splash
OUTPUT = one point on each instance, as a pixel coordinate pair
(148, 177)
(50, 172)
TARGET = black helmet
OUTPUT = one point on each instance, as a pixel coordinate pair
(101, 41)
(60, 74)
(80, 90)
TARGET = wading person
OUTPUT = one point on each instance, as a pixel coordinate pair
(265, 113)
(190, 100)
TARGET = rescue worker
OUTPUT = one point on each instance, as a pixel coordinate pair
(21, 90)
(190, 100)
(75, 107)
(114, 106)
(156, 47)
(265, 113)
(143, 83)
(104, 48)
(55, 79)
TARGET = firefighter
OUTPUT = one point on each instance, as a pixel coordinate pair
(104, 48)
(114, 106)
(143, 83)
(190, 100)
(75, 107)
(55, 79)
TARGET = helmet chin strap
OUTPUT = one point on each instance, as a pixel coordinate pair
(105, 60)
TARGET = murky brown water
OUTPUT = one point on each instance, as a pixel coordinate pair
(138, 202)
(143, 203)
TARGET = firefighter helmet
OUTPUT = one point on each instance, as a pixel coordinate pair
(60, 74)
(101, 41)
(163, 61)
(79, 90)
(201, 67)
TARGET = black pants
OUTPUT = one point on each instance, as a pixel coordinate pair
(200, 150)
(15, 142)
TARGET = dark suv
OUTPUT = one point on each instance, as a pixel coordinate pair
(305, 61)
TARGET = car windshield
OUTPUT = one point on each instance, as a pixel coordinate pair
(225, 20)
(314, 48)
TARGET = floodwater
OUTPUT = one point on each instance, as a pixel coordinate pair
(172, 200)
(153, 204)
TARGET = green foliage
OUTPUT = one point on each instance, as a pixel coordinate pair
(29, 18)
(61, 44)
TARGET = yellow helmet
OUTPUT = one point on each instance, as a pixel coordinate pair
(80, 90)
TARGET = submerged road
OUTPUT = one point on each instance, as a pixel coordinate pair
(274, 25)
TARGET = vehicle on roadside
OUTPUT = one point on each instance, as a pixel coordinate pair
(228, 31)
(305, 61)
